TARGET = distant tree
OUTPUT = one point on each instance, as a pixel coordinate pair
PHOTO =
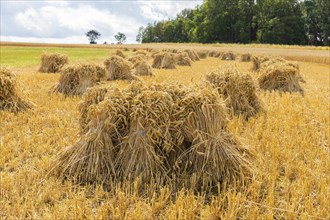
(280, 22)
(120, 37)
(148, 34)
(92, 36)
(323, 7)
(315, 13)
(139, 36)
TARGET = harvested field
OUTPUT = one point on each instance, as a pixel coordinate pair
(284, 174)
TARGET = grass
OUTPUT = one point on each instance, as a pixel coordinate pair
(30, 56)
(291, 140)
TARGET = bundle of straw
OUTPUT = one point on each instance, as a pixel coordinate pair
(257, 61)
(143, 69)
(214, 53)
(182, 59)
(238, 89)
(136, 59)
(75, 79)
(162, 133)
(93, 95)
(9, 99)
(228, 56)
(274, 60)
(92, 159)
(280, 76)
(120, 54)
(202, 54)
(214, 156)
(52, 62)
(192, 55)
(143, 151)
(118, 68)
(168, 62)
(246, 57)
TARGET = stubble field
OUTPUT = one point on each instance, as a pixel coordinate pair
(291, 141)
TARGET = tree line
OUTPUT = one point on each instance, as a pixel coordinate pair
(246, 21)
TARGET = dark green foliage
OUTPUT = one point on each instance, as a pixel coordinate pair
(246, 21)
(280, 22)
(93, 35)
(317, 25)
(120, 37)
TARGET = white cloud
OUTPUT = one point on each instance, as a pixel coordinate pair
(57, 3)
(162, 10)
(71, 39)
(50, 21)
(63, 21)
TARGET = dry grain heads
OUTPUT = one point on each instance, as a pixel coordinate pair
(142, 151)
(92, 159)
(228, 56)
(9, 99)
(93, 95)
(52, 62)
(75, 79)
(214, 53)
(214, 155)
(120, 53)
(143, 69)
(202, 54)
(117, 68)
(280, 76)
(192, 55)
(257, 61)
(162, 133)
(164, 61)
(246, 57)
(239, 90)
(158, 59)
(168, 62)
(136, 59)
(182, 59)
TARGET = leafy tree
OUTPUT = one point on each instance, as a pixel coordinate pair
(200, 32)
(222, 17)
(120, 37)
(139, 36)
(317, 23)
(280, 22)
(244, 26)
(312, 22)
(246, 21)
(92, 36)
(323, 8)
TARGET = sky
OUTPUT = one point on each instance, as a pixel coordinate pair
(68, 21)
